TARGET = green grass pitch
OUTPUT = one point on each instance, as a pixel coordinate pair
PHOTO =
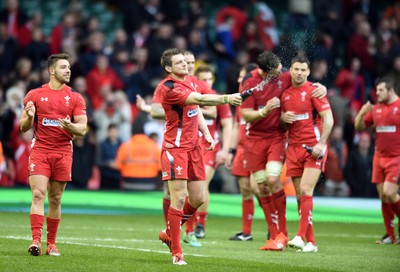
(99, 236)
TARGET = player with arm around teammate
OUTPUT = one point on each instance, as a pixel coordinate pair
(182, 165)
(385, 117)
(309, 122)
(57, 115)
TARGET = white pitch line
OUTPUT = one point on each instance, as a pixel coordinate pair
(100, 245)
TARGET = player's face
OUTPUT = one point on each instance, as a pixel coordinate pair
(62, 71)
(382, 93)
(241, 76)
(299, 72)
(179, 66)
(190, 63)
(207, 77)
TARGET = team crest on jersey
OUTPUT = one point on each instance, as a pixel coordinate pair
(303, 96)
(44, 99)
(395, 110)
(192, 112)
(279, 84)
(379, 111)
(194, 85)
(67, 99)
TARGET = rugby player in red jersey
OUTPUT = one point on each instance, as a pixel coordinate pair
(385, 117)
(182, 164)
(261, 111)
(309, 122)
(57, 114)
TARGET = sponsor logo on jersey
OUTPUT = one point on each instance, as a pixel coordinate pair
(50, 122)
(192, 112)
(165, 174)
(303, 116)
(385, 129)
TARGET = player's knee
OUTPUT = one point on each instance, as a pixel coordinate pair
(38, 195)
(55, 199)
(246, 192)
(389, 194)
(259, 176)
(273, 169)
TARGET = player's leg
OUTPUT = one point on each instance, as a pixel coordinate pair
(38, 184)
(166, 202)
(247, 210)
(178, 192)
(388, 217)
(56, 190)
(202, 212)
(307, 184)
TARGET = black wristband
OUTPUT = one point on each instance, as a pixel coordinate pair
(232, 151)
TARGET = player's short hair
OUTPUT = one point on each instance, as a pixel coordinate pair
(205, 68)
(166, 58)
(301, 59)
(389, 83)
(188, 53)
(249, 67)
(268, 61)
(52, 59)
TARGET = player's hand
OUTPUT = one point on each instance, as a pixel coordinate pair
(65, 123)
(320, 91)
(318, 150)
(229, 161)
(221, 157)
(30, 109)
(141, 104)
(367, 107)
(235, 99)
(209, 140)
(288, 117)
(273, 103)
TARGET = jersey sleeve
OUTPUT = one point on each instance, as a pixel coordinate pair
(321, 104)
(80, 106)
(368, 120)
(29, 97)
(157, 95)
(176, 95)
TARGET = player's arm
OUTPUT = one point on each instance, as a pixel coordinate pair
(26, 119)
(157, 111)
(222, 155)
(76, 128)
(359, 123)
(287, 118)
(251, 115)
(206, 133)
(327, 125)
(142, 105)
(320, 91)
(209, 112)
(233, 142)
(213, 99)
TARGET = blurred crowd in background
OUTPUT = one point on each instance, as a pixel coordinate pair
(115, 48)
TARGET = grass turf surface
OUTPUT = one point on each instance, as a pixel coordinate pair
(104, 242)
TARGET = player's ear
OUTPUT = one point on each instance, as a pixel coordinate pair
(168, 69)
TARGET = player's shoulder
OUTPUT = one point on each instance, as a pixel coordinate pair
(250, 76)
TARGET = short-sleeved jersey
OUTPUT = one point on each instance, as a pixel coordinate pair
(242, 128)
(199, 86)
(308, 125)
(181, 120)
(51, 105)
(386, 119)
(269, 126)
